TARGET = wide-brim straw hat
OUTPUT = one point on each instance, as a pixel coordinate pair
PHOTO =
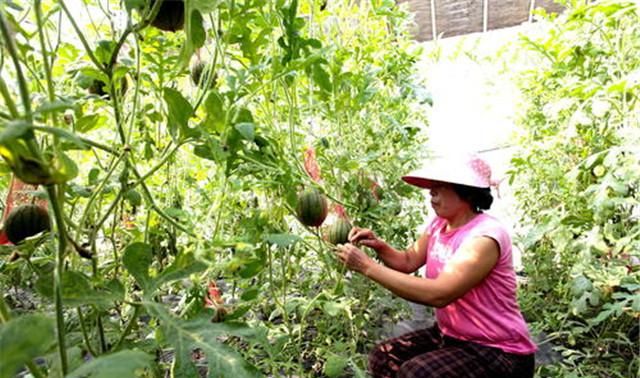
(469, 170)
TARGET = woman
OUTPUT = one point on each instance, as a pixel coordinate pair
(469, 278)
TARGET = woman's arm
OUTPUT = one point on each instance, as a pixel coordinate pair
(403, 261)
(469, 266)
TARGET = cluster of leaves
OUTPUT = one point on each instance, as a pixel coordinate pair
(162, 185)
(578, 186)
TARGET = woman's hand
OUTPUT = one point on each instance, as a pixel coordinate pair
(354, 258)
(366, 237)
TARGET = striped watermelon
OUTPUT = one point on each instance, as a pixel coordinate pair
(338, 232)
(312, 208)
(25, 221)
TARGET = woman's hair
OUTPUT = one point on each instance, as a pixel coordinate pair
(479, 198)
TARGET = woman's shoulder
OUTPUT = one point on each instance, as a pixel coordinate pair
(488, 220)
(488, 225)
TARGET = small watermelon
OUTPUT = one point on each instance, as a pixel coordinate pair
(338, 232)
(25, 221)
(312, 208)
(170, 17)
(200, 73)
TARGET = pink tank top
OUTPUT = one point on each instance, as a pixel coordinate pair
(489, 313)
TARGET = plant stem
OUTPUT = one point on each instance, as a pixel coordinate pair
(13, 52)
(53, 130)
(128, 329)
(83, 40)
(154, 206)
(95, 194)
(220, 207)
(57, 277)
(45, 60)
(136, 93)
(85, 336)
(5, 313)
(158, 166)
(22, 84)
(13, 111)
(103, 342)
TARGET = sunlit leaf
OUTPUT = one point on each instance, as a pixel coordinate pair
(13, 130)
(126, 363)
(222, 361)
(179, 109)
(54, 106)
(335, 365)
(183, 266)
(64, 134)
(246, 129)
(133, 197)
(64, 168)
(137, 259)
(90, 122)
(197, 33)
(282, 240)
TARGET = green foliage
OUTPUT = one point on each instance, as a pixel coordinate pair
(22, 339)
(126, 363)
(200, 333)
(159, 186)
(578, 184)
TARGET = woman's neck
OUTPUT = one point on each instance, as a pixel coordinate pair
(460, 219)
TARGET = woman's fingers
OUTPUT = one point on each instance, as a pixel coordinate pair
(360, 234)
(353, 232)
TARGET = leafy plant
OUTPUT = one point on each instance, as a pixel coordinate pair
(164, 187)
(577, 183)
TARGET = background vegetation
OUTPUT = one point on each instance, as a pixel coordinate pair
(164, 192)
(577, 184)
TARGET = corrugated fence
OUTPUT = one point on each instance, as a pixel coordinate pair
(448, 18)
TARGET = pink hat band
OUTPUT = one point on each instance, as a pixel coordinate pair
(471, 171)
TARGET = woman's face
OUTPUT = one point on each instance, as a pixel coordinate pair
(445, 202)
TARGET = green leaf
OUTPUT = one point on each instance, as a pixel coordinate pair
(64, 169)
(64, 134)
(223, 362)
(133, 4)
(22, 339)
(357, 372)
(89, 122)
(54, 106)
(134, 198)
(183, 266)
(250, 294)
(180, 111)
(251, 268)
(197, 32)
(126, 363)
(13, 130)
(205, 6)
(635, 304)
(137, 259)
(282, 240)
(334, 365)
(77, 291)
(247, 130)
(104, 50)
(321, 77)
(332, 308)
(580, 285)
(214, 106)
(211, 151)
